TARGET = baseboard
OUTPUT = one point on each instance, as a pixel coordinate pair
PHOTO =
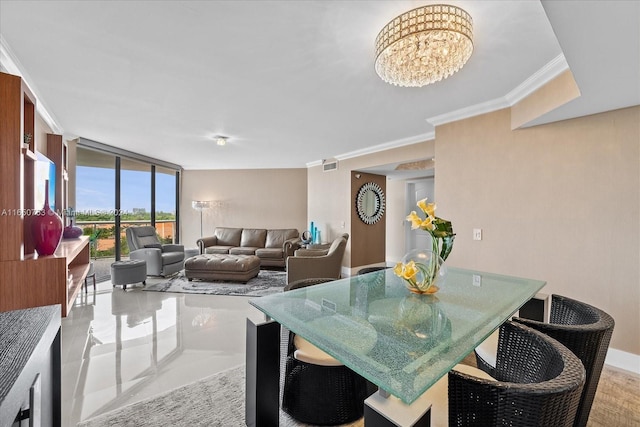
(347, 272)
(623, 360)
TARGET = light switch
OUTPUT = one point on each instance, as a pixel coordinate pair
(477, 280)
(477, 234)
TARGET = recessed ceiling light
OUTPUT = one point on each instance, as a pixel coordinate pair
(220, 140)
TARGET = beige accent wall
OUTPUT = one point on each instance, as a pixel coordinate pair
(558, 202)
(330, 196)
(555, 93)
(255, 198)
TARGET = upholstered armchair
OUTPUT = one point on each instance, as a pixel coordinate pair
(311, 263)
(162, 259)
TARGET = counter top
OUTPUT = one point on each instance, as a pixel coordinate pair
(23, 333)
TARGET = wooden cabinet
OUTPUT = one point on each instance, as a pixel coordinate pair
(17, 116)
(28, 280)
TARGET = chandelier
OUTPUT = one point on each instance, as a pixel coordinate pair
(424, 45)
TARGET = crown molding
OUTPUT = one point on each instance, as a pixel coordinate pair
(380, 147)
(540, 78)
(9, 63)
(544, 75)
(471, 111)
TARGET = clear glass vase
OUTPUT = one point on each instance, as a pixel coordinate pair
(423, 271)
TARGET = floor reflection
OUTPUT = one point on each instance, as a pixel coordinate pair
(123, 346)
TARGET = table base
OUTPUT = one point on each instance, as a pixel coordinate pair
(262, 404)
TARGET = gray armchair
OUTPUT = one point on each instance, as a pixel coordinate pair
(311, 263)
(162, 259)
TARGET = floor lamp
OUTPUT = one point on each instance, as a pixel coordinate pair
(201, 205)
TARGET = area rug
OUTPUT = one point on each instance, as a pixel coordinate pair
(217, 401)
(265, 283)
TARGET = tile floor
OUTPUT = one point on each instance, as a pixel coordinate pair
(119, 347)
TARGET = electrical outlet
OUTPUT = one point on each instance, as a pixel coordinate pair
(477, 280)
(477, 234)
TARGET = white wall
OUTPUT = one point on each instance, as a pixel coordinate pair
(330, 196)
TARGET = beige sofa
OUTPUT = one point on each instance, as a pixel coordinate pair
(271, 246)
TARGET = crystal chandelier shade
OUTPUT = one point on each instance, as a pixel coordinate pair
(424, 45)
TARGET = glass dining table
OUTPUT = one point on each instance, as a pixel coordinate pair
(400, 341)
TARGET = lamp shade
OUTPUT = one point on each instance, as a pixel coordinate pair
(200, 205)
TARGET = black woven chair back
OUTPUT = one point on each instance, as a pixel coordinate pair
(586, 331)
(370, 270)
(539, 384)
(303, 283)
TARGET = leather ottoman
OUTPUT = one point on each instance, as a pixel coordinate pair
(128, 271)
(239, 268)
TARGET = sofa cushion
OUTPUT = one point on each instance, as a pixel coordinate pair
(276, 238)
(228, 236)
(217, 249)
(249, 250)
(269, 253)
(253, 237)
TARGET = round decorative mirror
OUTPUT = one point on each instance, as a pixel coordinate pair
(370, 203)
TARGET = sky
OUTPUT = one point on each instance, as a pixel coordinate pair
(95, 190)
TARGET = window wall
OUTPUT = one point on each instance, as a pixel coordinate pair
(115, 191)
(166, 204)
(135, 198)
(95, 200)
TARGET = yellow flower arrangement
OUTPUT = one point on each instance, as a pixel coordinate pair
(406, 271)
(421, 276)
(441, 230)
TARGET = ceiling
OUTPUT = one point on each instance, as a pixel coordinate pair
(293, 82)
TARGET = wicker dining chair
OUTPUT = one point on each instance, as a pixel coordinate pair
(320, 394)
(586, 331)
(538, 382)
(367, 270)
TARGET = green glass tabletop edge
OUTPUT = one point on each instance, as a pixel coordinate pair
(408, 398)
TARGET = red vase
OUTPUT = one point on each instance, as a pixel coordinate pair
(46, 227)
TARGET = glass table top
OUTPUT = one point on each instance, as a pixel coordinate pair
(400, 341)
